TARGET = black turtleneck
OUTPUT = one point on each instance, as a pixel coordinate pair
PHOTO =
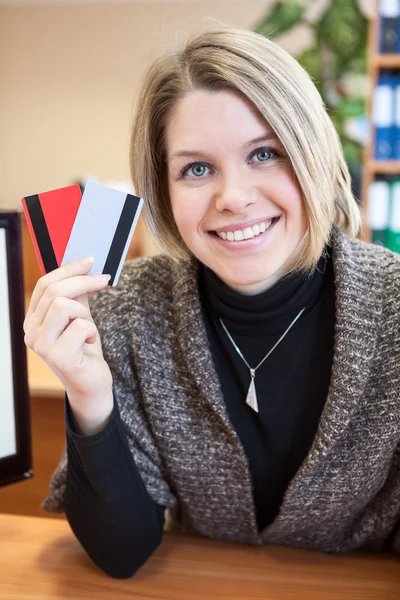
(106, 501)
(291, 385)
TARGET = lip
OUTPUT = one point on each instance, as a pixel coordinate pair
(242, 226)
(246, 245)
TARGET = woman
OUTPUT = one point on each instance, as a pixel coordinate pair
(248, 380)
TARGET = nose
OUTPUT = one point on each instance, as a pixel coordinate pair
(234, 193)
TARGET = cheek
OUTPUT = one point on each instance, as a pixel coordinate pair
(291, 200)
(187, 212)
(178, 206)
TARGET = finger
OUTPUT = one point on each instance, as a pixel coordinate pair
(84, 300)
(72, 288)
(67, 352)
(59, 316)
(78, 267)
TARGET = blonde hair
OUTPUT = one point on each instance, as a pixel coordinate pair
(234, 59)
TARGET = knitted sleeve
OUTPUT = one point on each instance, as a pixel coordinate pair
(112, 310)
(390, 353)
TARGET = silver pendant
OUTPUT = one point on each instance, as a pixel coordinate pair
(251, 398)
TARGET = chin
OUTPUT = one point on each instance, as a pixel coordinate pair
(251, 284)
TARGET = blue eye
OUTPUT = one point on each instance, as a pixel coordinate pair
(198, 170)
(263, 155)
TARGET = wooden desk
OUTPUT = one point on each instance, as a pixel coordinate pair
(41, 559)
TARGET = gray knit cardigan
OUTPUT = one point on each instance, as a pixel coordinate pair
(346, 494)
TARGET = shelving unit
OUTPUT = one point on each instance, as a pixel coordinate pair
(383, 61)
(372, 167)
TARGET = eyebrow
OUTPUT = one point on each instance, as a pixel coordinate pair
(188, 153)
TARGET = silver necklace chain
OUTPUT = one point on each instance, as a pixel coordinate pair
(251, 394)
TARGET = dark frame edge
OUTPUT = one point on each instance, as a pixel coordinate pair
(17, 467)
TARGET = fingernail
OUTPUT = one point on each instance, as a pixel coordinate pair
(86, 261)
(106, 277)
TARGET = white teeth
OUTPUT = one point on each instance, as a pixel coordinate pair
(245, 234)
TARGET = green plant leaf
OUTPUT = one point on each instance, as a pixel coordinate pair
(358, 62)
(348, 108)
(310, 59)
(343, 29)
(352, 151)
(282, 17)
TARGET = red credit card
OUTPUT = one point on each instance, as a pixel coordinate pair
(50, 217)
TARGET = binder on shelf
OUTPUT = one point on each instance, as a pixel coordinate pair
(393, 234)
(389, 14)
(396, 118)
(378, 211)
(383, 117)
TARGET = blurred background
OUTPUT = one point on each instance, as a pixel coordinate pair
(69, 75)
(70, 71)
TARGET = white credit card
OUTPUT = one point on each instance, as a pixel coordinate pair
(103, 228)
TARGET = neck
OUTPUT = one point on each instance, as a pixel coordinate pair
(253, 288)
(268, 309)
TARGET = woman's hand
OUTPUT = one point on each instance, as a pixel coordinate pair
(59, 328)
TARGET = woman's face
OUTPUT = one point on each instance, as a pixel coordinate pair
(234, 196)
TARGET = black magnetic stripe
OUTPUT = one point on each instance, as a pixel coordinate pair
(120, 236)
(41, 233)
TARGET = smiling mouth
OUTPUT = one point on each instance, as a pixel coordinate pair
(239, 235)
